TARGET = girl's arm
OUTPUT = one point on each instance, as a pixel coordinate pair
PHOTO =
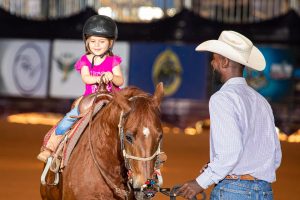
(87, 78)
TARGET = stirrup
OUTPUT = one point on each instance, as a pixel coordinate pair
(44, 174)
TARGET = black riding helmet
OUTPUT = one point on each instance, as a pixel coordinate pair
(100, 25)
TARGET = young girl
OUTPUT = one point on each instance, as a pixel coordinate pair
(99, 35)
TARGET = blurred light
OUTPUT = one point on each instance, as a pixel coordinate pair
(277, 130)
(190, 131)
(171, 12)
(148, 13)
(199, 126)
(176, 130)
(35, 118)
(166, 129)
(295, 137)
(282, 137)
(157, 12)
(206, 123)
(107, 11)
(145, 13)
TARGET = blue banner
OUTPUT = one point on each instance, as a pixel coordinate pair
(275, 82)
(182, 70)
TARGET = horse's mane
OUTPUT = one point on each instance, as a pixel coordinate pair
(144, 108)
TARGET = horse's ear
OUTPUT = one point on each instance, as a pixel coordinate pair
(158, 94)
(122, 101)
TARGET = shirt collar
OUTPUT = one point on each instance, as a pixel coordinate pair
(235, 80)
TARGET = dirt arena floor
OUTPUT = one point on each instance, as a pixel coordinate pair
(20, 171)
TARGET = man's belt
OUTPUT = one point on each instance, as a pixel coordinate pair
(246, 177)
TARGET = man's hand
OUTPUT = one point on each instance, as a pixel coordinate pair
(189, 189)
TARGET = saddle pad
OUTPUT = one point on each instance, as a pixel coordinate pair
(48, 135)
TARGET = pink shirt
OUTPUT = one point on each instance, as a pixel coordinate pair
(106, 66)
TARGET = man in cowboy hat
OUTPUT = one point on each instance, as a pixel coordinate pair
(244, 146)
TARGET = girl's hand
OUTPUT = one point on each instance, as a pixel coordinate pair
(107, 77)
(98, 79)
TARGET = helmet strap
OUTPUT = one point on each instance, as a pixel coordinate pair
(102, 55)
(93, 59)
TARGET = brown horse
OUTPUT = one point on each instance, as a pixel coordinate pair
(117, 154)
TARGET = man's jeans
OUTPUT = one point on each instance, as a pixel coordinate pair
(67, 122)
(242, 189)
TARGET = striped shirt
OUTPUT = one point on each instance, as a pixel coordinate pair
(243, 139)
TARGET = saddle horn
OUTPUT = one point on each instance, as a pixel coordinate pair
(86, 102)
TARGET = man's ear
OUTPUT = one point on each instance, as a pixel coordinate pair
(225, 62)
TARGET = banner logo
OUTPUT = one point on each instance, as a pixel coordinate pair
(28, 68)
(66, 62)
(256, 79)
(167, 69)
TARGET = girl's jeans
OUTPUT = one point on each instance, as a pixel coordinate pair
(242, 189)
(67, 122)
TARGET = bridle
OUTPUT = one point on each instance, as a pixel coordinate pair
(128, 157)
(118, 191)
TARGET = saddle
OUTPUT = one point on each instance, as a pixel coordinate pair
(86, 105)
(85, 102)
(63, 152)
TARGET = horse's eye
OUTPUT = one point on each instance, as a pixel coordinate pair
(129, 138)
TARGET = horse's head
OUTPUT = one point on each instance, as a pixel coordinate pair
(141, 137)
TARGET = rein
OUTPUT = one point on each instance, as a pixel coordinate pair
(171, 192)
(118, 191)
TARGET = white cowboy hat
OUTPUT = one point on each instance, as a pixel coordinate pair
(236, 47)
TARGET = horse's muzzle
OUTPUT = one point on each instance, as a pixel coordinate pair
(148, 190)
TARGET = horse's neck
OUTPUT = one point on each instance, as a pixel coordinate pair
(106, 146)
